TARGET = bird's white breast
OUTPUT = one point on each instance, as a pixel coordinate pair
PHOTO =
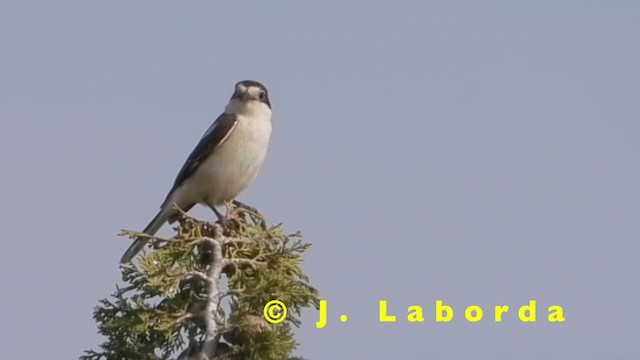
(231, 168)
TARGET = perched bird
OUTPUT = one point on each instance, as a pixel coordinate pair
(223, 164)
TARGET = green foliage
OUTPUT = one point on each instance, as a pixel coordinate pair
(161, 312)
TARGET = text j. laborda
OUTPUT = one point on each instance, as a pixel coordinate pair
(444, 313)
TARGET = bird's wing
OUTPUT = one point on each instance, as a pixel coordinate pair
(217, 133)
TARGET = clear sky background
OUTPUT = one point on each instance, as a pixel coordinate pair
(481, 153)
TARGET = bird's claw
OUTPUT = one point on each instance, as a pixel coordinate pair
(234, 214)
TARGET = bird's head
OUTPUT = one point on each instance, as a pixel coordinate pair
(249, 94)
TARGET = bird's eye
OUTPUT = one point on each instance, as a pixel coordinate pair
(261, 95)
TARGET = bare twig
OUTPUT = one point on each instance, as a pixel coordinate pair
(185, 317)
(230, 240)
(200, 275)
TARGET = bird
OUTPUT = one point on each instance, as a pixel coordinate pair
(223, 164)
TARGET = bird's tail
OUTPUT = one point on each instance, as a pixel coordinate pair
(153, 227)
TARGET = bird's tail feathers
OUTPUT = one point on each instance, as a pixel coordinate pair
(154, 225)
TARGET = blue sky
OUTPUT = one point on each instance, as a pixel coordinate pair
(479, 153)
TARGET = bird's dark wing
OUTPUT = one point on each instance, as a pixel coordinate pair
(212, 138)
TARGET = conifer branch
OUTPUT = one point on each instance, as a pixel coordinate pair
(173, 300)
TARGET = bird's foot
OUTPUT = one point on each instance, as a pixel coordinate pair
(235, 216)
(232, 212)
(232, 218)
